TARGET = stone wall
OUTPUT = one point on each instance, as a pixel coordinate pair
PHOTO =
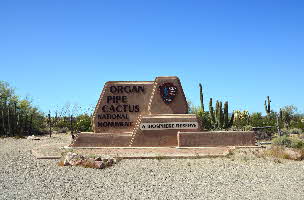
(104, 140)
(216, 138)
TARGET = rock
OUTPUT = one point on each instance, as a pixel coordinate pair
(33, 137)
(98, 159)
(110, 162)
(99, 165)
(73, 159)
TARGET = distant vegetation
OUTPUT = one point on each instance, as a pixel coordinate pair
(286, 121)
(18, 117)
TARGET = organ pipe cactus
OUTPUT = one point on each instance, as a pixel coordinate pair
(226, 119)
(211, 112)
(220, 117)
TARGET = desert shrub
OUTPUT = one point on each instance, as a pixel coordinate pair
(247, 128)
(297, 143)
(203, 116)
(297, 131)
(281, 152)
(270, 119)
(277, 152)
(284, 131)
(297, 121)
(241, 119)
(288, 142)
(205, 119)
(63, 130)
(287, 132)
(256, 119)
(288, 115)
(282, 141)
(83, 123)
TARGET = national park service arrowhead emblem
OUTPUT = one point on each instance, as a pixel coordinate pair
(168, 91)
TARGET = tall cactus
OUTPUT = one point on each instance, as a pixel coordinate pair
(221, 115)
(202, 97)
(231, 120)
(267, 105)
(220, 119)
(226, 120)
(211, 111)
(217, 113)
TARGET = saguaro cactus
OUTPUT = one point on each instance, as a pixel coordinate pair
(267, 105)
(202, 97)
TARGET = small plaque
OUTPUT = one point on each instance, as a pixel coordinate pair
(169, 125)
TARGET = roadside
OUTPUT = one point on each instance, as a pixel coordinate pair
(238, 176)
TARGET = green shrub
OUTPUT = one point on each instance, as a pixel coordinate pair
(256, 119)
(247, 128)
(205, 119)
(288, 142)
(297, 131)
(282, 141)
(297, 143)
(241, 119)
(83, 123)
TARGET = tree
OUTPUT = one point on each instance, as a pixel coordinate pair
(287, 115)
(17, 116)
(256, 119)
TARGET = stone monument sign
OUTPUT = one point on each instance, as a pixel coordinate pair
(150, 114)
(140, 113)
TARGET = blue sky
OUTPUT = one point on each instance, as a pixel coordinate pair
(59, 51)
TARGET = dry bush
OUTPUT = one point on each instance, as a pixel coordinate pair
(87, 164)
(291, 142)
(60, 163)
(284, 153)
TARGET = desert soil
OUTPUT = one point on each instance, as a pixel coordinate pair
(240, 176)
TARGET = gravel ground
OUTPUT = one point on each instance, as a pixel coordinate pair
(240, 177)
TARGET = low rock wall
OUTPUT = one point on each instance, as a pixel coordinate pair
(216, 138)
(101, 140)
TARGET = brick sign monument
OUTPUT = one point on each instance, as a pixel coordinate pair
(145, 114)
